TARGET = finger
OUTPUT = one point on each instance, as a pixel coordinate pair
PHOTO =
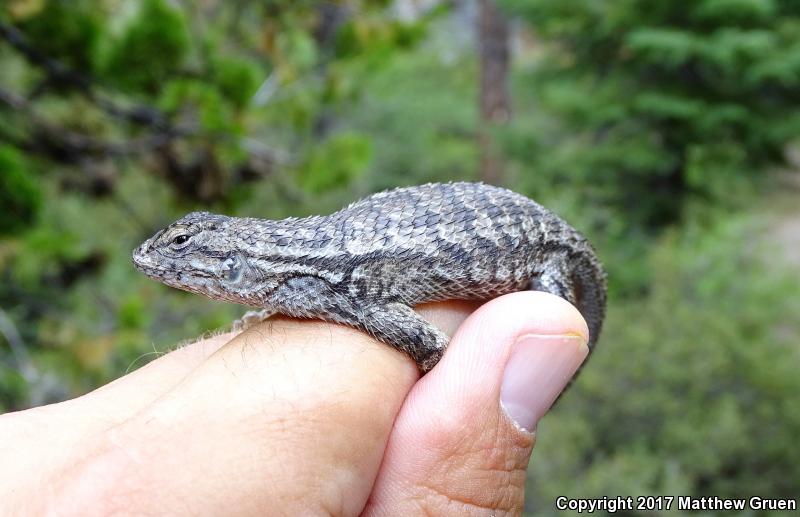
(128, 394)
(288, 414)
(462, 441)
(447, 316)
(122, 398)
(44, 439)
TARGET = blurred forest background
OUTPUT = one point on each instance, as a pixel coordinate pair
(662, 130)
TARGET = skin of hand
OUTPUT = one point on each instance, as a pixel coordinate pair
(306, 418)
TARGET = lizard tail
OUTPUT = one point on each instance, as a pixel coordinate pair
(584, 285)
(590, 295)
(578, 278)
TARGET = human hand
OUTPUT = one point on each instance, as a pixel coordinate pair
(303, 418)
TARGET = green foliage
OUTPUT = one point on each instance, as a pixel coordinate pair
(644, 90)
(298, 49)
(13, 387)
(20, 194)
(68, 30)
(152, 47)
(740, 11)
(421, 118)
(335, 163)
(204, 99)
(376, 36)
(237, 80)
(132, 313)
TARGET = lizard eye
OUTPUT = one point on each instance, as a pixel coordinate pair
(180, 239)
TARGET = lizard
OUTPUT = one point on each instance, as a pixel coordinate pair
(370, 263)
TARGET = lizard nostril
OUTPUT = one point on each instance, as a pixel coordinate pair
(141, 252)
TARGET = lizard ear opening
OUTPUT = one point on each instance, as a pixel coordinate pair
(232, 269)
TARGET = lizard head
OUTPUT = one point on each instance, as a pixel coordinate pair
(196, 253)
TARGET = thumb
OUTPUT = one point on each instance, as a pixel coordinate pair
(463, 438)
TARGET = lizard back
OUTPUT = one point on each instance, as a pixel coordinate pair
(442, 241)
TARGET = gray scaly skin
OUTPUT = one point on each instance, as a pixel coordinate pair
(367, 265)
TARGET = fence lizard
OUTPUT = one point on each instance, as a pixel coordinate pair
(367, 265)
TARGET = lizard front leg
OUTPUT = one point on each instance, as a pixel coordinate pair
(251, 318)
(398, 325)
(393, 323)
(309, 296)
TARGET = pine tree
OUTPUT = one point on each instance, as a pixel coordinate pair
(661, 101)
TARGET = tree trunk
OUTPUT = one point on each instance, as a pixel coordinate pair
(495, 101)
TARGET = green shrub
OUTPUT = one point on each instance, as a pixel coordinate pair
(20, 194)
(692, 390)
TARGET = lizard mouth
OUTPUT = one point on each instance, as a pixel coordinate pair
(157, 270)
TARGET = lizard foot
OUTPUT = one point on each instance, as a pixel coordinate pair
(251, 318)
